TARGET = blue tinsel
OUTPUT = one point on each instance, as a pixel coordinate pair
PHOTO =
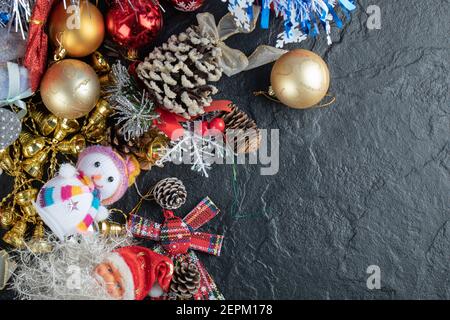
(305, 13)
(302, 15)
(4, 18)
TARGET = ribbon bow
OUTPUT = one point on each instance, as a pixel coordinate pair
(14, 95)
(170, 124)
(234, 61)
(178, 235)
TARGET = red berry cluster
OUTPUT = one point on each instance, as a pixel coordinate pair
(214, 126)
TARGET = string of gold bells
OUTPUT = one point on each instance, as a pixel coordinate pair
(43, 138)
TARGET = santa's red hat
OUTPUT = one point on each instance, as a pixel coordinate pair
(143, 271)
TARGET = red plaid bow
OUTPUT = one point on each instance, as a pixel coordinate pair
(178, 235)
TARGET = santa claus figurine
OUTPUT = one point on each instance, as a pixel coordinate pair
(92, 267)
(133, 273)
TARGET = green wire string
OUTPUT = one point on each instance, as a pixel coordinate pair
(235, 204)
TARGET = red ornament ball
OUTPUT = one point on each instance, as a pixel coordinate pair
(187, 5)
(217, 124)
(134, 23)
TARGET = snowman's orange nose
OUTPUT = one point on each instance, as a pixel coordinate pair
(96, 177)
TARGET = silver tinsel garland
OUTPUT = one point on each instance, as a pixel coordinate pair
(66, 273)
(16, 14)
(134, 110)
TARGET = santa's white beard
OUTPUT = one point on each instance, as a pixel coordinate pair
(66, 273)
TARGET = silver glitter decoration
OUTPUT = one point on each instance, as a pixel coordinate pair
(20, 13)
(134, 110)
(10, 128)
(7, 267)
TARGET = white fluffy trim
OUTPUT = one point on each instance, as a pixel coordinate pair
(102, 214)
(67, 170)
(156, 291)
(127, 277)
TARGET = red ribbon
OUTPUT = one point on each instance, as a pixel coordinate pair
(170, 123)
(36, 54)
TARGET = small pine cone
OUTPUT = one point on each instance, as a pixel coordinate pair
(248, 141)
(117, 142)
(185, 281)
(170, 193)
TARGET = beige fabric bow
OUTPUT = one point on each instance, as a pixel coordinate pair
(234, 61)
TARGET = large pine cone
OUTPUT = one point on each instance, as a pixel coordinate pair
(177, 73)
(185, 281)
(170, 193)
(250, 138)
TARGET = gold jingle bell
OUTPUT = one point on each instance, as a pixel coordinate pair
(66, 127)
(15, 236)
(153, 151)
(46, 123)
(105, 79)
(110, 228)
(7, 217)
(35, 166)
(74, 146)
(99, 63)
(98, 132)
(31, 144)
(38, 244)
(101, 112)
(25, 200)
(6, 162)
(26, 197)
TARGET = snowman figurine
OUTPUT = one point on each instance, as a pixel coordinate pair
(75, 198)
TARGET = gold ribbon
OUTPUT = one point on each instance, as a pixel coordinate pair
(234, 61)
(37, 22)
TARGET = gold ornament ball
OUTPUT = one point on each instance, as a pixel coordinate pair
(300, 79)
(70, 89)
(81, 32)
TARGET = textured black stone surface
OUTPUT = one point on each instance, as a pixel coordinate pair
(364, 182)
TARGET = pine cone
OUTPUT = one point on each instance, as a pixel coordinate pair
(117, 142)
(138, 147)
(177, 73)
(170, 193)
(185, 281)
(248, 141)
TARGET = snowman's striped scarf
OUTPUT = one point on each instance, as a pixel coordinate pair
(51, 195)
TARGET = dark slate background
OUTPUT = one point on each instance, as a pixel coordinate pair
(364, 182)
